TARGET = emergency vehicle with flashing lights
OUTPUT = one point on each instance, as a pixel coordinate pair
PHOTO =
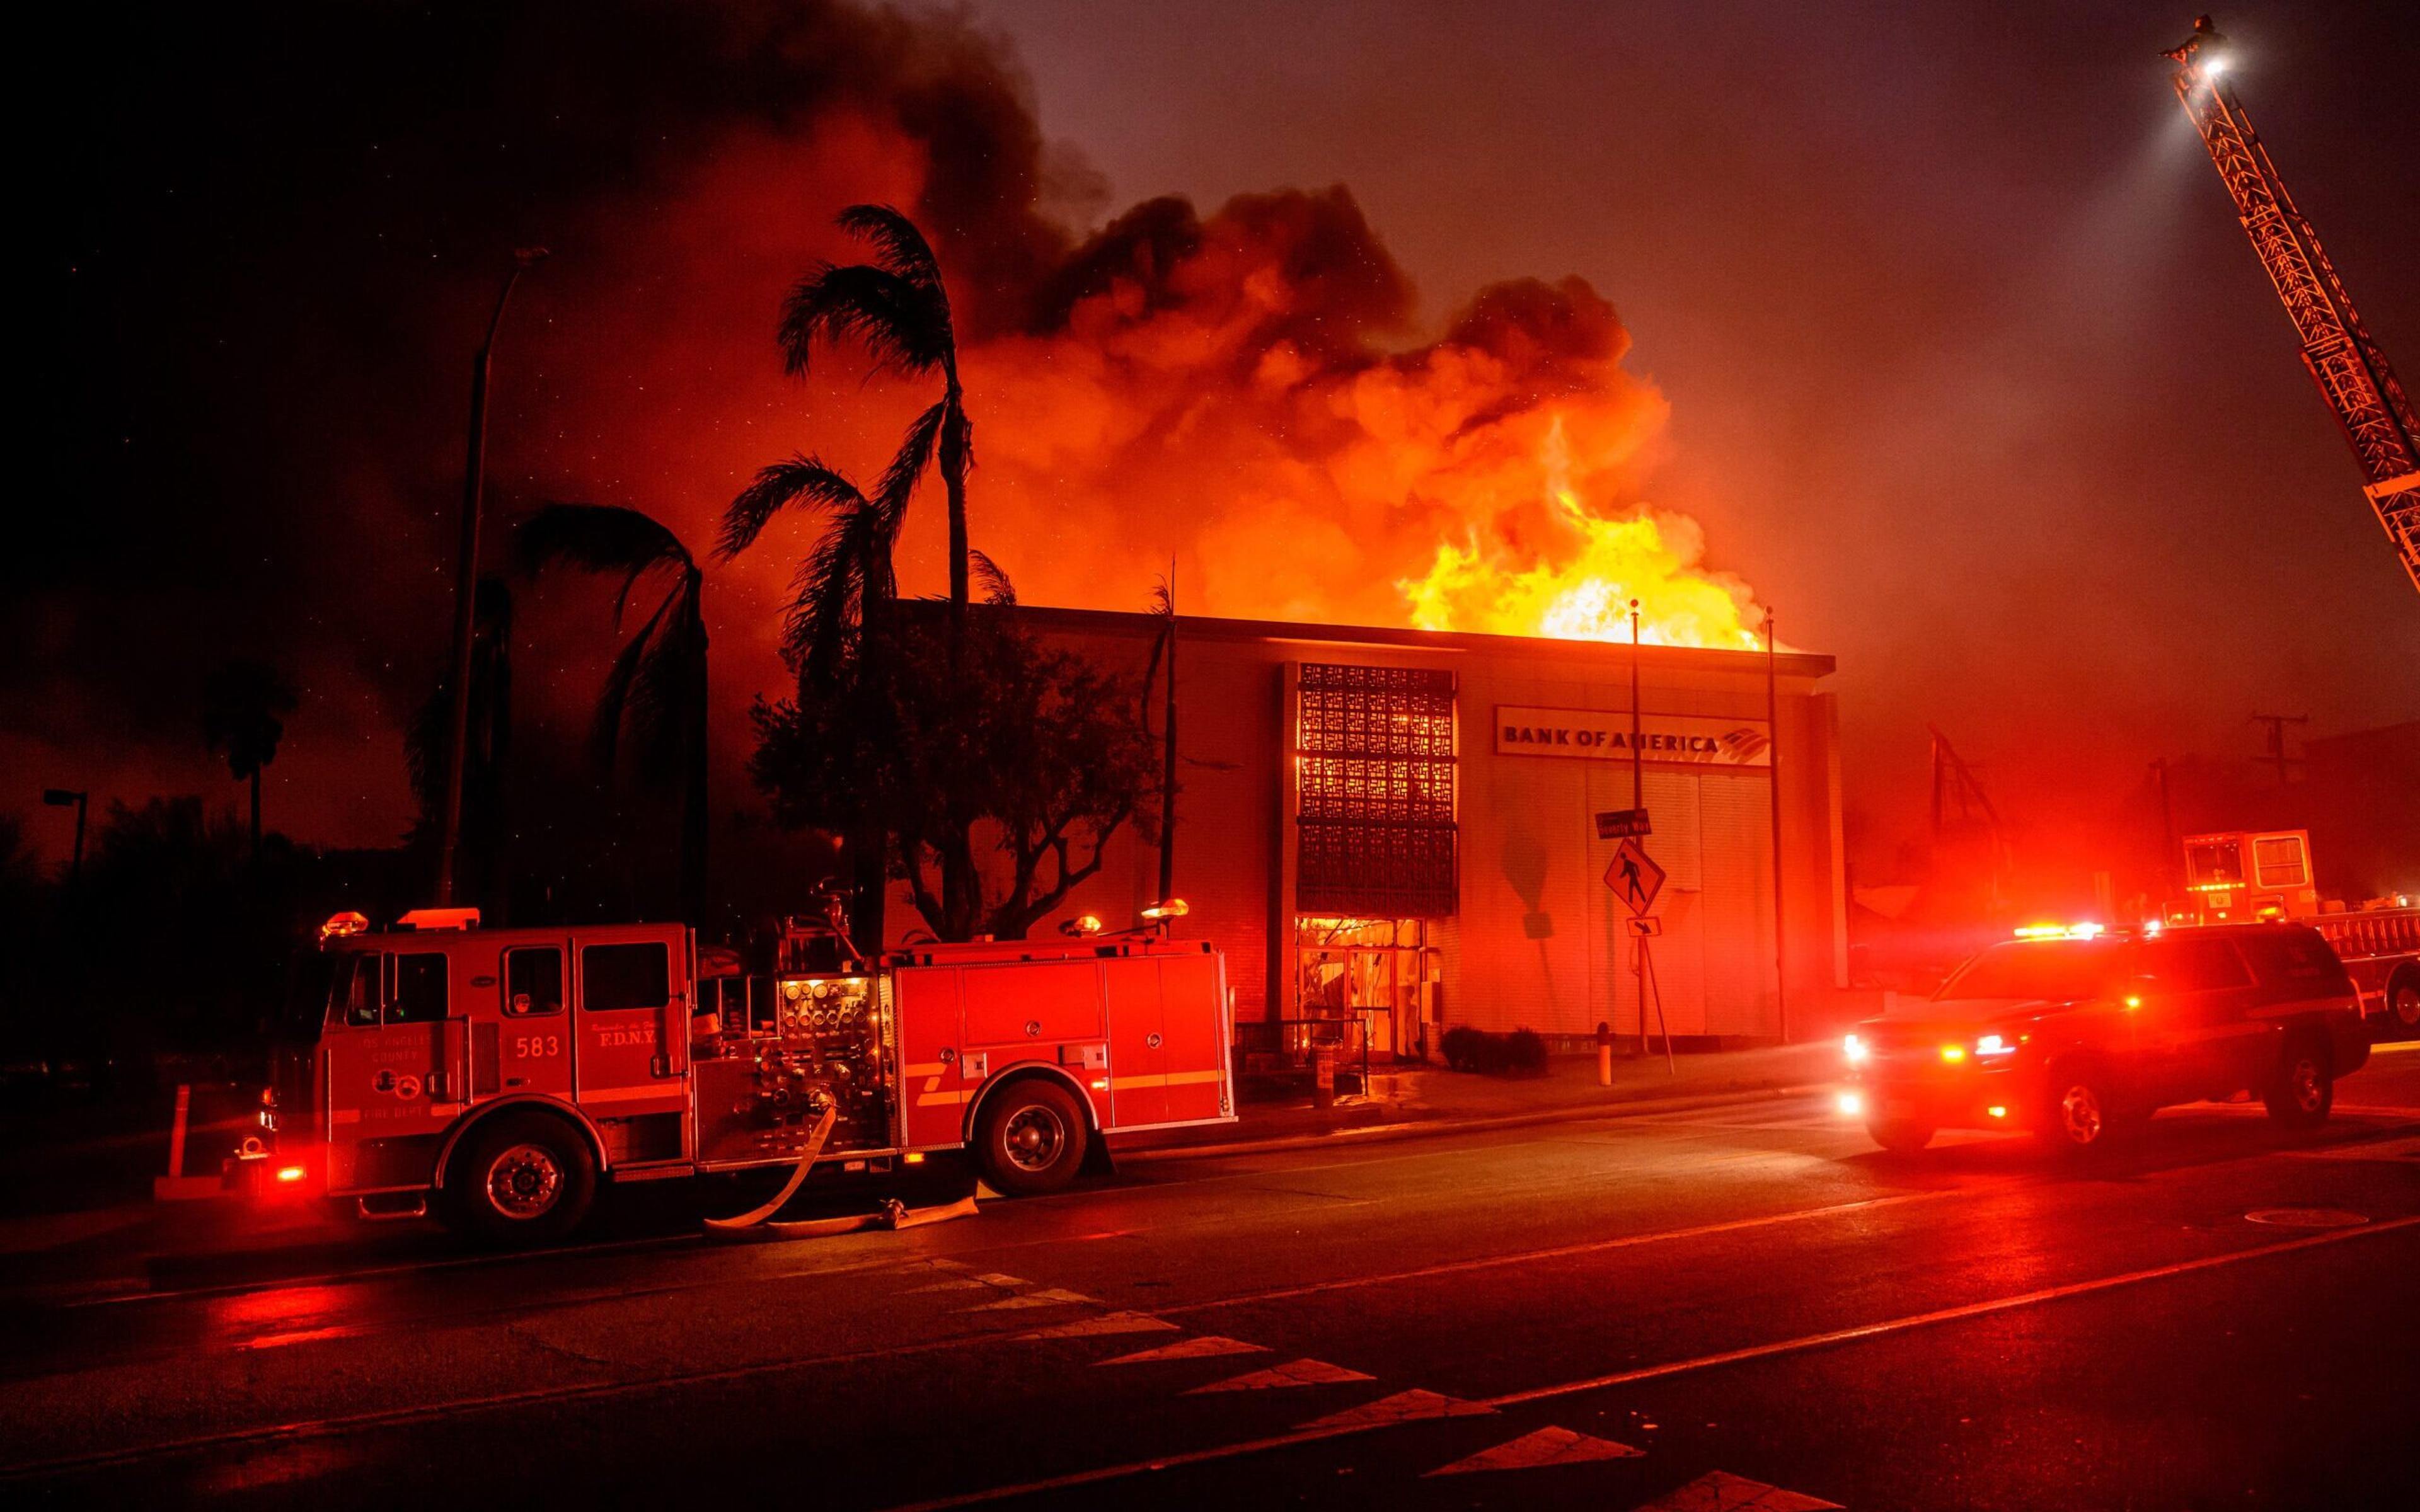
(2079, 1034)
(2241, 875)
(499, 1076)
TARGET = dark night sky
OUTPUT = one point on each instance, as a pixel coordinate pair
(1969, 370)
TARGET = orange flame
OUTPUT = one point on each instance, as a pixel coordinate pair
(1581, 588)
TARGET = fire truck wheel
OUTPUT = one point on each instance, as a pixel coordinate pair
(522, 1178)
(1030, 1138)
(2403, 1006)
(2305, 1089)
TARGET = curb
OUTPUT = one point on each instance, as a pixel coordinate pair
(1432, 1128)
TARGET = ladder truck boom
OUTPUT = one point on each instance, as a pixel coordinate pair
(2351, 370)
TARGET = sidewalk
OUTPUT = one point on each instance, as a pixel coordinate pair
(1413, 1099)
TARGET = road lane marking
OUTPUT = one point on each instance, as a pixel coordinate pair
(1592, 1246)
(601, 1391)
(1284, 1377)
(1195, 1349)
(1303, 1436)
(1722, 1492)
(1281, 1377)
(1049, 1297)
(1535, 1451)
(1402, 1407)
(1106, 1323)
(1943, 1315)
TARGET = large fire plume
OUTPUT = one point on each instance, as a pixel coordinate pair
(1586, 585)
(1234, 390)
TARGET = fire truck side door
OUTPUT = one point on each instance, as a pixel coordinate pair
(534, 1043)
(932, 1096)
(1193, 997)
(631, 1029)
(381, 1063)
(1138, 1042)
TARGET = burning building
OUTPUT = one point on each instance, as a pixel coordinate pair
(1397, 826)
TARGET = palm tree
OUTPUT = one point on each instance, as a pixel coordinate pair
(658, 685)
(842, 589)
(243, 702)
(899, 309)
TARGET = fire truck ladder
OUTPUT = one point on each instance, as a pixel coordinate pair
(2351, 371)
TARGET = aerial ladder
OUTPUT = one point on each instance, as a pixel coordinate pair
(2351, 371)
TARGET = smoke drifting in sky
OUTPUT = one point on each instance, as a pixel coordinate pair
(280, 233)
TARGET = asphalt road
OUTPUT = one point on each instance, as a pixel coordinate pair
(1667, 1311)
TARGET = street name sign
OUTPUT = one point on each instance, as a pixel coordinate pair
(1622, 824)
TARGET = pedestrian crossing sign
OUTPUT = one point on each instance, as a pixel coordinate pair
(1635, 878)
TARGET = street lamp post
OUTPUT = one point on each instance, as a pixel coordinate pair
(466, 586)
(63, 798)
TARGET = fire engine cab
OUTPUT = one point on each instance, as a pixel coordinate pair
(498, 1076)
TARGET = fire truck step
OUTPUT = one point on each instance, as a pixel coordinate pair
(390, 1207)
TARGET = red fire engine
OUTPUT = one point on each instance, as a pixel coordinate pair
(498, 1076)
(2245, 876)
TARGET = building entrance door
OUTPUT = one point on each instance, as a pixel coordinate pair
(1369, 978)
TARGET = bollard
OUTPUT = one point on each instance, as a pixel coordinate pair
(1604, 1054)
(1322, 1071)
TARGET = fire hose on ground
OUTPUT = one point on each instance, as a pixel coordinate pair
(893, 1214)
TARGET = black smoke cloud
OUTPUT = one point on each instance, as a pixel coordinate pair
(270, 235)
(274, 236)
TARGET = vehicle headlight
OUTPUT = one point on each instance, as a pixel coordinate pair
(1854, 1048)
(1994, 1044)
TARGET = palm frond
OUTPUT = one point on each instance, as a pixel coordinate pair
(995, 586)
(801, 480)
(613, 700)
(597, 538)
(832, 588)
(899, 247)
(905, 326)
(915, 453)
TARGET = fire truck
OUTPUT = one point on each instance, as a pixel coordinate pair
(2247, 876)
(497, 1077)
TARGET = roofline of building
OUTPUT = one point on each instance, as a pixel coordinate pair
(1613, 653)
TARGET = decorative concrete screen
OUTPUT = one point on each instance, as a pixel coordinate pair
(1375, 807)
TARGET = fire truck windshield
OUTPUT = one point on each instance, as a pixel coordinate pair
(2217, 863)
(353, 990)
(2055, 971)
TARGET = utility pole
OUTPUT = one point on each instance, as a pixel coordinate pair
(1168, 755)
(65, 797)
(2168, 832)
(466, 586)
(1637, 801)
(1773, 774)
(2277, 723)
(1638, 782)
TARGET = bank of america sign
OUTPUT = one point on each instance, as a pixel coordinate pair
(1603, 735)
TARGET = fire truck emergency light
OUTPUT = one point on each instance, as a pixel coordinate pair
(427, 918)
(340, 925)
(1165, 908)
